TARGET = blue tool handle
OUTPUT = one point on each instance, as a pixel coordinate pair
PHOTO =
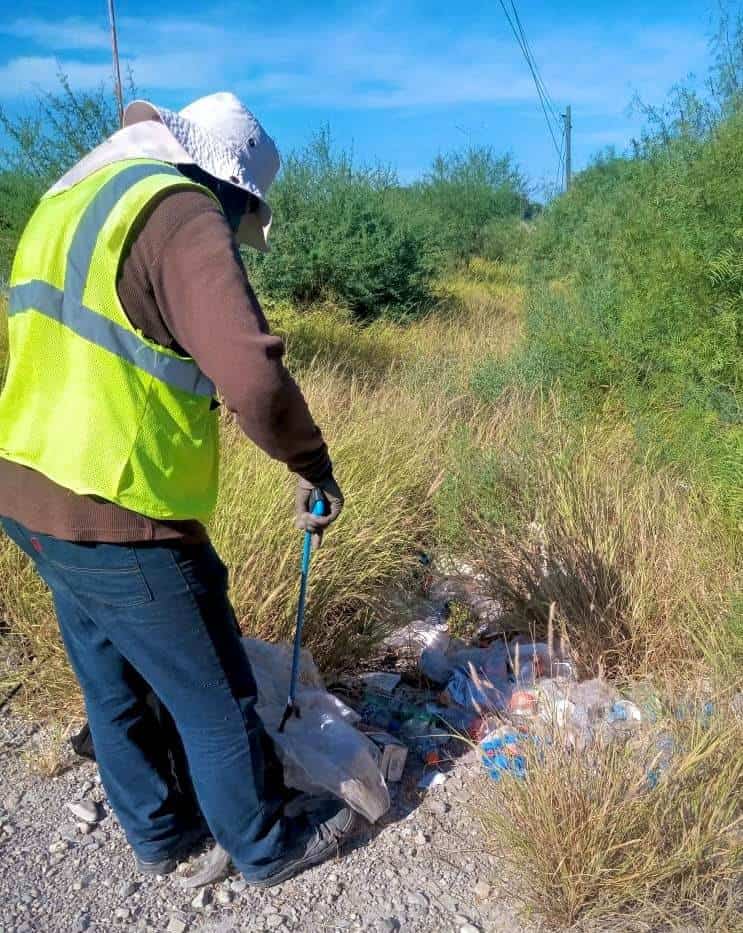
(317, 502)
(317, 507)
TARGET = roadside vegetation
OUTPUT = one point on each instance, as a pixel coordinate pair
(554, 396)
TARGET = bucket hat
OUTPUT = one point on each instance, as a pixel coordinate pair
(222, 137)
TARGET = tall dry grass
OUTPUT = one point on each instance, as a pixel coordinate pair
(567, 523)
(386, 444)
(387, 397)
(638, 570)
(593, 838)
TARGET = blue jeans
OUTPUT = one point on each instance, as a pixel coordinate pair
(135, 617)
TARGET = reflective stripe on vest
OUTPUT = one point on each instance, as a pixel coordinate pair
(67, 308)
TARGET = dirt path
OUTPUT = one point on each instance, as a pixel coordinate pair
(421, 870)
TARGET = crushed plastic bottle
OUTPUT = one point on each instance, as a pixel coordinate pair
(471, 691)
(563, 671)
(592, 699)
(440, 660)
(555, 706)
(529, 660)
(665, 748)
(624, 711)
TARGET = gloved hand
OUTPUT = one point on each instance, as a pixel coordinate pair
(305, 520)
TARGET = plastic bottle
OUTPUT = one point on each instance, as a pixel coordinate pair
(665, 747)
(624, 711)
(563, 671)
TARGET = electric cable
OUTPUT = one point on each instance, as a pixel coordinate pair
(544, 99)
(530, 54)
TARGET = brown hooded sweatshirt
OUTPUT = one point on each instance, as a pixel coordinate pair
(182, 284)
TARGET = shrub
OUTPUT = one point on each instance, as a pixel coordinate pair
(356, 236)
(62, 127)
(505, 240)
(466, 196)
(339, 235)
(41, 145)
(18, 196)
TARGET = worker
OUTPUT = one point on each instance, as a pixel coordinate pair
(130, 315)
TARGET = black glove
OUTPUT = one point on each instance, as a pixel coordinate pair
(305, 520)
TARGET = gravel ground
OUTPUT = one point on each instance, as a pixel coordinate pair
(422, 869)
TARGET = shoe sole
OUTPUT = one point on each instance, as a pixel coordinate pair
(296, 868)
(169, 864)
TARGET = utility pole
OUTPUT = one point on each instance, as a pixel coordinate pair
(568, 119)
(116, 68)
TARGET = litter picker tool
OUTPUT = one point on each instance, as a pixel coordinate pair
(317, 507)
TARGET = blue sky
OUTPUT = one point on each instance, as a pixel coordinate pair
(399, 80)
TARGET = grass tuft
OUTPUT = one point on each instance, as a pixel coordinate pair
(48, 755)
(634, 565)
(591, 839)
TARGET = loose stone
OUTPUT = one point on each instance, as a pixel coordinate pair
(482, 890)
(86, 810)
(201, 900)
(176, 925)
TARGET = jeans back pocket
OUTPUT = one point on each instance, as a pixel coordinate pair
(108, 574)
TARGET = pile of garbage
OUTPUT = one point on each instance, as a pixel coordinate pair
(497, 695)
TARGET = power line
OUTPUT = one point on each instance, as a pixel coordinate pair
(544, 98)
(522, 33)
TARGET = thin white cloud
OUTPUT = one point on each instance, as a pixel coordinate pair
(66, 34)
(363, 63)
(25, 75)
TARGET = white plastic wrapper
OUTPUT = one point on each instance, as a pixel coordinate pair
(321, 752)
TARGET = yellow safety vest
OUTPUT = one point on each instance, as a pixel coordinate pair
(88, 400)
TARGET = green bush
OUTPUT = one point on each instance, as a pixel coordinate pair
(18, 196)
(40, 146)
(465, 200)
(339, 233)
(505, 240)
(342, 232)
(59, 129)
(355, 235)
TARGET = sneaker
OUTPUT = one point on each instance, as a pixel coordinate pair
(168, 863)
(322, 844)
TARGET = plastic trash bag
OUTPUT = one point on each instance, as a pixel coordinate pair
(430, 632)
(468, 689)
(321, 752)
(438, 663)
